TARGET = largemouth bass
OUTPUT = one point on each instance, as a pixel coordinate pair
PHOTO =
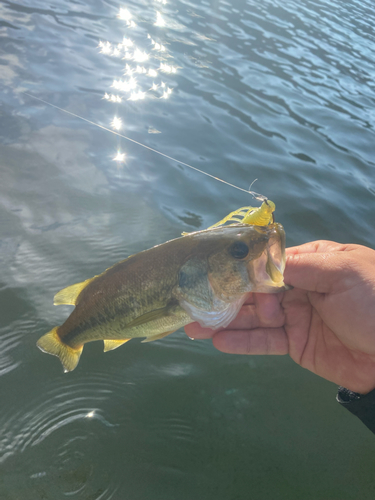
(202, 277)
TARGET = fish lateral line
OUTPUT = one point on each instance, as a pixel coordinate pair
(255, 195)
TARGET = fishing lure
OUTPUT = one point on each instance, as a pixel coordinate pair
(255, 216)
(258, 216)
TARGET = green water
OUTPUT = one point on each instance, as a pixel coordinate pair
(279, 91)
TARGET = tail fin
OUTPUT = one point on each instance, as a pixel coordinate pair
(52, 344)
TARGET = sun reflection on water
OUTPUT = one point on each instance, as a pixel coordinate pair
(125, 86)
(140, 56)
(116, 123)
(159, 20)
(112, 97)
(120, 157)
(136, 96)
(166, 93)
(167, 68)
(126, 16)
(144, 54)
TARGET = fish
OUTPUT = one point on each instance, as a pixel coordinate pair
(204, 276)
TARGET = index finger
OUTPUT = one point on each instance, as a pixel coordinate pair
(319, 246)
(266, 311)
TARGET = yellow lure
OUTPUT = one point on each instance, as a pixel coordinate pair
(258, 216)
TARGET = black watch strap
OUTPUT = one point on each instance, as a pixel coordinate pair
(362, 406)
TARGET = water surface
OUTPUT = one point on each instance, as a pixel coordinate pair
(282, 91)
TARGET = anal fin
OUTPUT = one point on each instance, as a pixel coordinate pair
(157, 336)
(109, 345)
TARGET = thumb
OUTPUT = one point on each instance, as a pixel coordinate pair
(317, 272)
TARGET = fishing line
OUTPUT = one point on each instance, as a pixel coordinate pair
(257, 196)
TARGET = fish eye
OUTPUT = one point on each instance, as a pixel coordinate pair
(239, 250)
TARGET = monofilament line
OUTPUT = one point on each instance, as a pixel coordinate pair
(255, 195)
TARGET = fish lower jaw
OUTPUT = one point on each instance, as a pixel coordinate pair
(270, 286)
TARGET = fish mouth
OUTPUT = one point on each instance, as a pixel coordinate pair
(276, 254)
(267, 270)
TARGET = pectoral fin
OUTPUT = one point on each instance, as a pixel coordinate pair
(150, 316)
(109, 345)
(69, 295)
(157, 336)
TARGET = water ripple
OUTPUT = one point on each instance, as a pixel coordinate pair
(279, 90)
(60, 430)
(11, 339)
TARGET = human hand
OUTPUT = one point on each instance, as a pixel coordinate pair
(326, 323)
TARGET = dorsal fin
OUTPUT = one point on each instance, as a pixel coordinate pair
(68, 295)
